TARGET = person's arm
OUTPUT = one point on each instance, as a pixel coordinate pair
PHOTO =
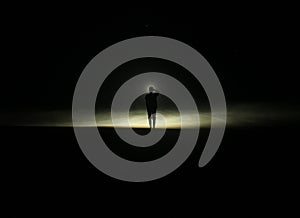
(155, 90)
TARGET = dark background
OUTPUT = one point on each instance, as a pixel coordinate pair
(254, 55)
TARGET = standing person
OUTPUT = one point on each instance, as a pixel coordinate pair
(151, 104)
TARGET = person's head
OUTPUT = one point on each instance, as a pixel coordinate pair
(151, 89)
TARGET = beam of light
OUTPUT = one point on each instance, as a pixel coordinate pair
(237, 115)
(138, 119)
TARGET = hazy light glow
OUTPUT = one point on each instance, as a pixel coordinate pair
(139, 119)
(237, 115)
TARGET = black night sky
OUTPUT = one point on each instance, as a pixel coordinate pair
(44, 61)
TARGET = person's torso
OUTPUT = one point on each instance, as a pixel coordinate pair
(151, 100)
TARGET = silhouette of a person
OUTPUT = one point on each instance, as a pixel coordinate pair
(151, 104)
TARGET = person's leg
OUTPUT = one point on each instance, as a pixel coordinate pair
(149, 119)
(154, 119)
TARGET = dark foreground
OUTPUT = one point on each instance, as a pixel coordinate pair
(44, 163)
